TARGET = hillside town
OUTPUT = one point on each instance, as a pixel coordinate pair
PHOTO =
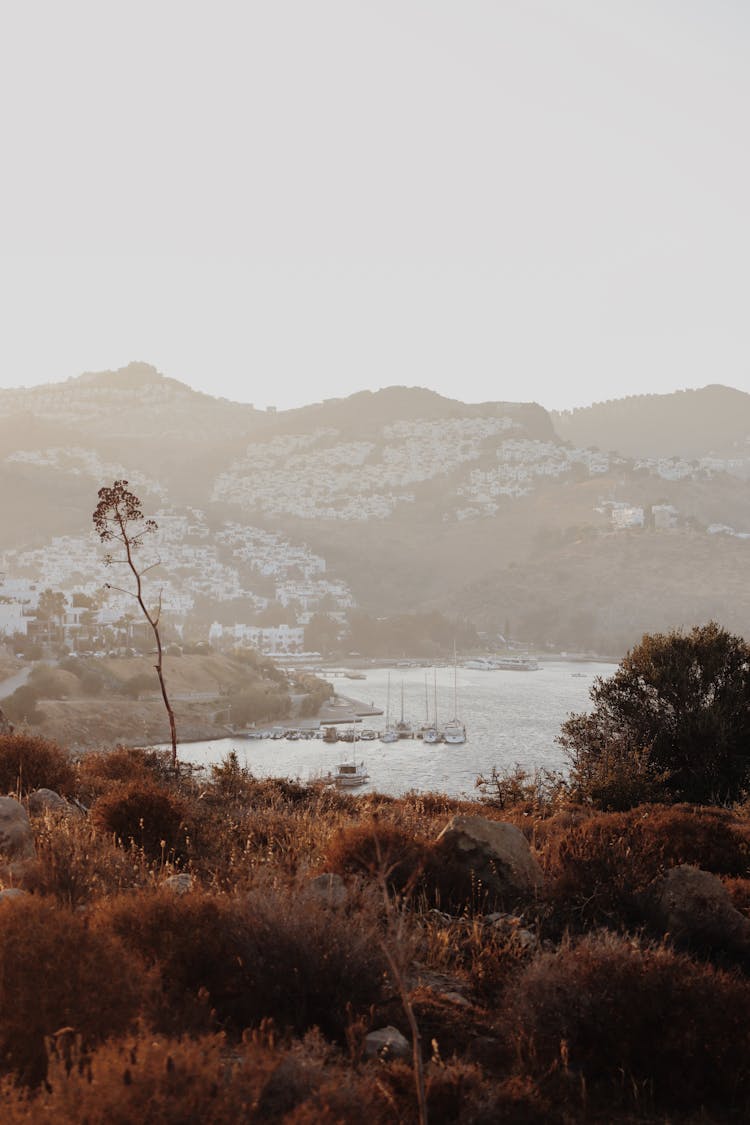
(195, 565)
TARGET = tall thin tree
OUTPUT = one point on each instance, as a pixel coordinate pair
(118, 517)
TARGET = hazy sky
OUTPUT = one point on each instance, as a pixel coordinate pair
(286, 200)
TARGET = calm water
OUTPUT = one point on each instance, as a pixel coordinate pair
(510, 717)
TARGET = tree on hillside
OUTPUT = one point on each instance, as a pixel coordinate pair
(51, 606)
(118, 517)
(677, 712)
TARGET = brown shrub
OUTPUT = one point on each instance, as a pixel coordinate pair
(411, 865)
(55, 972)
(739, 889)
(601, 865)
(150, 815)
(29, 762)
(637, 1023)
(376, 848)
(267, 956)
(99, 770)
(76, 864)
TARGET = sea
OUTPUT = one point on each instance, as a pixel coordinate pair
(511, 718)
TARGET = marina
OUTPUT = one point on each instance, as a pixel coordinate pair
(509, 719)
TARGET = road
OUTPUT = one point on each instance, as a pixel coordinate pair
(7, 687)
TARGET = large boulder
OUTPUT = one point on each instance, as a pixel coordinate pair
(16, 836)
(497, 853)
(387, 1043)
(47, 800)
(695, 908)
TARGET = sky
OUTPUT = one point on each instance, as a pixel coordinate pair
(286, 200)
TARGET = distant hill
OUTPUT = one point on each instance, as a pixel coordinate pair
(691, 424)
(496, 511)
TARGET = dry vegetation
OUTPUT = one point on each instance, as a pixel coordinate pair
(248, 997)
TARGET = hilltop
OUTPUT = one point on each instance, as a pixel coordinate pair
(398, 500)
(714, 420)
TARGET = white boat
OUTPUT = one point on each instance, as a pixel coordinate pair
(403, 728)
(390, 734)
(454, 731)
(349, 775)
(503, 664)
(431, 731)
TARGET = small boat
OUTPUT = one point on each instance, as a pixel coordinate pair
(368, 735)
(349, 775)
(403, 728)
(355, 676)
(430, 732)
(390, 734)
(454, 731)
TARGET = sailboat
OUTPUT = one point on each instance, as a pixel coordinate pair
(404, 729)
(431, 732)
(454, 731)
(390, 734)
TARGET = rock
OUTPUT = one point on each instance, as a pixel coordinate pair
(16, 837)
(46, 800)
(12, 892)
(328, 888)
(497, 853)
(696, 909)
(179, 884)
(387, 1043)
(512, 927)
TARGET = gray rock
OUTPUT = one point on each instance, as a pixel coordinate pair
(387, 1043)
(46, 800)
(512, 927)
(12, 892)
(179, 884)
(328, 888)
(497, 853)
(696, 909)
(16, 836)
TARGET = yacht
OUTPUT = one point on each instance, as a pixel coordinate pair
(390, 734)
(454, 731)
(349, 775)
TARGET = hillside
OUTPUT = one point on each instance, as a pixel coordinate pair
(395, 501)
(714, 420)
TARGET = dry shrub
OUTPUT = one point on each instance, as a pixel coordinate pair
(486, 956)
(56, 971)
(268, 955)
(739, 889)
(377, 848)
(197, 1082)
(601, 865)
(411, 865)
(146, 1078)
(76, 864)
(100, 770)
(29, 762)
(639, 1024)
(150, 815)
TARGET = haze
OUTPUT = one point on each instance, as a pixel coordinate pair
(284, 202)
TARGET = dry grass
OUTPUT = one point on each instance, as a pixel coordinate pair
(511, 1029)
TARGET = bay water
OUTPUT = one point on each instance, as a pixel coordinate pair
(511, 717)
